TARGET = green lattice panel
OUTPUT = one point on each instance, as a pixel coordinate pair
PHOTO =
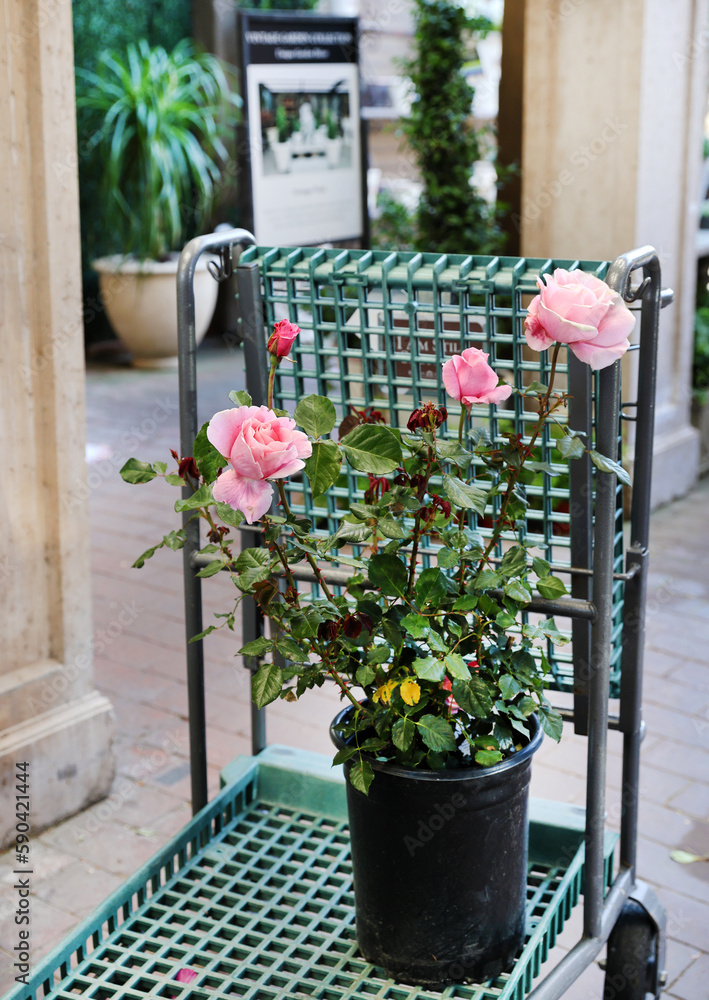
(377, 326)
(256, 897)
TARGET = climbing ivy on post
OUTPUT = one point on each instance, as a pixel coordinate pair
(452, 217)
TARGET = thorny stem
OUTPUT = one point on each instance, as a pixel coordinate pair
(461, 423)
(271, 377)
(313, 564)
(527, 451)
(344, 687)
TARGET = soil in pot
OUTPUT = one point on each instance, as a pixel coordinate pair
(440, 867)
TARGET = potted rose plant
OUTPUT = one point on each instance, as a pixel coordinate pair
(442, 678)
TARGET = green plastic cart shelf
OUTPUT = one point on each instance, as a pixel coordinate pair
(255, 896)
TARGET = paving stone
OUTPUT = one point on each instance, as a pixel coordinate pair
(692, 984)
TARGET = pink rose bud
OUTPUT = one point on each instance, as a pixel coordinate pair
(281, 340)
(580, 310)
(470, 379)
(259, 446)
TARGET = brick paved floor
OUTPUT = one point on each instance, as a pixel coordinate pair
(140, 666)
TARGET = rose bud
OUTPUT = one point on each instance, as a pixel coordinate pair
(281, 340)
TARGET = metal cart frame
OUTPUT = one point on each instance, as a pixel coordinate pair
(603, 592)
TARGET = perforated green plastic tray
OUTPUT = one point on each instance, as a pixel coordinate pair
(255, 896)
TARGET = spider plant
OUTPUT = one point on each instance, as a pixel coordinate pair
(164, 116)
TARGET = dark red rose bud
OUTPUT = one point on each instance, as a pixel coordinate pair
(401, 480)
(174, 454)
(327, 631)
(415, 421)
(351, 627)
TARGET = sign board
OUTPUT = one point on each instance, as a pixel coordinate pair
(300, 83)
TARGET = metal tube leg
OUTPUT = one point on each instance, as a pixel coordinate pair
(607, 444)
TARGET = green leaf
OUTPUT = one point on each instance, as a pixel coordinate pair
(344, 754)
(208, 459)
(402, 734)
(430, 586)
(514, 561)
(487, 579)
(240, 397)
(509, 686)
(541, 567)
(372, 448)
(570, 446)
(535, 389)
(447, 558)
(487, 757)
(551, 587)
(228, 515)
(551, 721)
(349, 533)
(462, 495)
(211, 568)
(437, 643)
(161, 468)
(390, 528)
(452, 451)
(549, 629)
(429, 669)
(201, 498)
(473, 697)
(251, 558)
(416, 625)
(542, 467)
(361, 776)
(323, 466)
(174, 480)
(608, 465)
(457, 667)
(135, 471)
(316, 415)
(436, 733)
(365, 675)
(517, 591)
(266, 684)
(257, 647)
(389, 574)
(207, 631)
(466, 603)
(290, 649)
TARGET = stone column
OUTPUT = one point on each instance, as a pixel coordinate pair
(614, 97)
(50, 714)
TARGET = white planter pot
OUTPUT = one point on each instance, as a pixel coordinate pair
(140, 298)
(281, 151)
(272, 137)
(333, 148)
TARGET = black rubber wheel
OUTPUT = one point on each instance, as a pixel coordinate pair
(632, 955)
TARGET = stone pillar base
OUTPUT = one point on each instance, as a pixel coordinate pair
(675, 462)
(71, 762)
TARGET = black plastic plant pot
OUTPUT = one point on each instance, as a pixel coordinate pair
(440, 866)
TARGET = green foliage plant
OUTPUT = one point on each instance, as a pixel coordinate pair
(282, 123)
(435, 654)
(452, 217)
(163, 119)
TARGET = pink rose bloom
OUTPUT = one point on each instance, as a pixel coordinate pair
(259, 446)
(580, 310)
(281, 340)
(186, 975)
(470, 379)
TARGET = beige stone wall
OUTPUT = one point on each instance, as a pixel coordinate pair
(50, 713)
(613, 106)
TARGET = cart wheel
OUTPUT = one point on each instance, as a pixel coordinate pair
(632, 956)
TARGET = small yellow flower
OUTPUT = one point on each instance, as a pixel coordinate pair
(410, 692)
(384, 693)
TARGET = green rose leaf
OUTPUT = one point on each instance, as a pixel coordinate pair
(570, 446)
(473, 697)
(266, 684)
(365, 675)
(457, 667)
(201, 498)
(211, 568)
(361, 776)
(431, 585)
(462, 495)
(316, 415)
(390, 528)
(536, 389)
(228, 515)
(541, 567)
(389, 574)
(551, 721)
(551, 587)
(416, 625)
(487, 757)
(514, 561)
(349, 533)
(372, 448)
(402, 734)
(208, 459)
(290, 649)
(323, 466)
(436, 733)
(240, 397)
(447, 558)
(509, 687)
(257, 647)
(517, 591)
(608, 465)
(549, 629)
(429, 669)
(135, 471)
